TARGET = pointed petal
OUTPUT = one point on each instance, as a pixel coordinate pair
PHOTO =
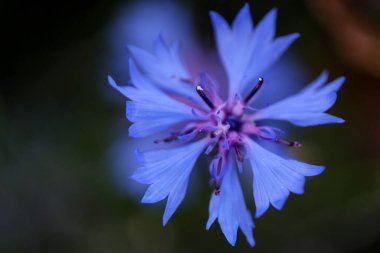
(114, 85)
(274, 177)
(243, 24)
(142, 89)
(169, 109)
(261, 197)
(213, 211)
(161, 50)
(230, 208)
(140, 81)
(317, 82)
(152, 117)
(167, 172)
(234, 44)
(143, 59)
(266, 28)
(151, 110)
(175, 198)
(165, 67)
(246, 52)
(267, 55)
(306, 108)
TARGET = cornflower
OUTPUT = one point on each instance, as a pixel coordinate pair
(195, 118)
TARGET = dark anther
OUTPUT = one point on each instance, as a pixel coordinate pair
(175, 136)
(219, 169)
(295, 144)
(188, 131)
(202, 94)
(217, 188)
(187, 81)
(254, 90)
(167, 140)
(239, 155)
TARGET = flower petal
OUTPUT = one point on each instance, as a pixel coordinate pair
(234, 45)
(154, 116)
(162, 64)
(165, 68)
(266, 55)
(243, 25)
(274, 177)
(246, 52)
(306, 108)
(230, 208)
(151, 110)
(167, 171)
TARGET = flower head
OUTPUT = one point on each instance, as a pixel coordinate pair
(192, 113)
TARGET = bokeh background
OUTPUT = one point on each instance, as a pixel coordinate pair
(65, 156)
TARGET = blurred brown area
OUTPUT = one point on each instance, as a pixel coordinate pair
(58, 117)
(354, 38)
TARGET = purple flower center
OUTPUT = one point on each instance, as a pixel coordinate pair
(226, 124)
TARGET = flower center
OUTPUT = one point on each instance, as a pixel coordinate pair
(234, 122)
(226, 125)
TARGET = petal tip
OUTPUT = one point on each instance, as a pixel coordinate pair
(133, 131)
(111, 81)
(321, 169)
(245, 8)
(139, 155)
(134, 177)
(251, 242)
(231, 239)
(130, 50)
(209, 223)
(165, 220)
(296, 35)
(342, 79)
(145, 200)
(213, 14)
(279, 203)
(273, 13)
(259, 213)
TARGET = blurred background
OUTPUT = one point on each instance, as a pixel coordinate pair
(65, 154)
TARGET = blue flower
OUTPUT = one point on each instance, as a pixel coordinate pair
(164, 97)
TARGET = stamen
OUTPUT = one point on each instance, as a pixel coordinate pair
(172, 138)
(217, 188)
(175, 136)
(202, 94)
(188, 81)
(294, 144)
(219, 168)
(239, 155)
(254, 90)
